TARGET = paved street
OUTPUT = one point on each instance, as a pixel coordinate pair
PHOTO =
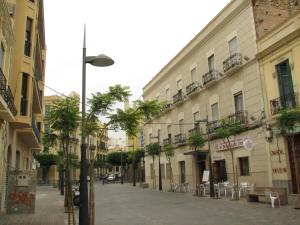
(48, 211)
(126, 205)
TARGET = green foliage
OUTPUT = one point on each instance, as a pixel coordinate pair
(149, 108)
(102, 103)
(287, 120)
(114, 158)
(228, 128)
(153, 149)
(196, 140)
(169, 151)
(128, 121)
(49, 139)
(46, 160)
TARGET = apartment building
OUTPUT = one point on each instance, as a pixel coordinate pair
(7, 108)
(278, 52)
(216, 75)
(23, 72)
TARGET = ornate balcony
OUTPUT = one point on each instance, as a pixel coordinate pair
(213, 125)
(8, 99)
(194, 130)
(235, 60)
(191, 88)
(167, 141)
(240, 117)
(167, 105)
(283, 102)
(179, 139)
(210, 76)
(178, 97)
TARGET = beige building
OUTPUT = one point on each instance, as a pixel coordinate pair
(24, 49)
(216, 75)
(278, 53)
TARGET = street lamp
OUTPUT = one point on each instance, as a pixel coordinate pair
(121, 166)
(99, 61)
(211, 185)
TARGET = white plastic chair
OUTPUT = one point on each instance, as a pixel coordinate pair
(244, 186)
(273, 196)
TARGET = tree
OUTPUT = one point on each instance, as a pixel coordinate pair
(153, 150)
(227, 131)
(169, 153)
(45, 160)
(64, 120)
(196, 141)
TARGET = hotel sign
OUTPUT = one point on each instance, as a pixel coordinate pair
(233, 144)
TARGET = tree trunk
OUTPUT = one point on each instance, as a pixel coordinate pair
(235, 187)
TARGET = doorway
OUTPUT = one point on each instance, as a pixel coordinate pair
(182, 172)
(295, 163)
(220, 174)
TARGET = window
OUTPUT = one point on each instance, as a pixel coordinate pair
(168, 170)
(232, 44)
(211, 63)
(168, 95)
(244, 166)
(181, 126)
(285, 83)
(194, 75)
(238, 102)
(169, 129)
(163, 171)
(215, 112)
(179, 84)
(196, 117)
(27, 47)
(23, 107)
(2, 55)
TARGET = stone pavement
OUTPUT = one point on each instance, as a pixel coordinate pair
(49, 210)
(118, 204)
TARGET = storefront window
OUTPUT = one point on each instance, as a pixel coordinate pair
(244, 166)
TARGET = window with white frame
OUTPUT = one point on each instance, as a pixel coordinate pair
(211, 62)
(238, 102)
(232, 44)
(215, 111)
(194, 75)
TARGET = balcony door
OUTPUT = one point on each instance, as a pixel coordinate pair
(285, 84)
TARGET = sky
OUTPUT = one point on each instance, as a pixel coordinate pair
(140, 36)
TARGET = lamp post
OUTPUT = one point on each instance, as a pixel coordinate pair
(121, 166)
(100, 61)
(211, 185)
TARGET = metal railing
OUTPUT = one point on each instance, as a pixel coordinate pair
(179, 138)
(192, 88)
(167, 141)
(213, 125)
(234, 60)
(195, 130)
(35, 128)
(210, 76)
(167, 105)
(240, 117)
(283, 102)
(6, 93)
(178, 97)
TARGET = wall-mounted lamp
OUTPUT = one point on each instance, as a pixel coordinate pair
(269, 133)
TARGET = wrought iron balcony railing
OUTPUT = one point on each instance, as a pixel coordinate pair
(179, 139)
(178, 97)
(210, 76)
(240, 117)
(234, 60)
(35, 128)
(6, 94)
(213, 125)
(283, 102)
(194, 130)
(167, 105)
(192, 88)
(167, 141)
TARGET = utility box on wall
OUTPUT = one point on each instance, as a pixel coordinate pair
(21, 191)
